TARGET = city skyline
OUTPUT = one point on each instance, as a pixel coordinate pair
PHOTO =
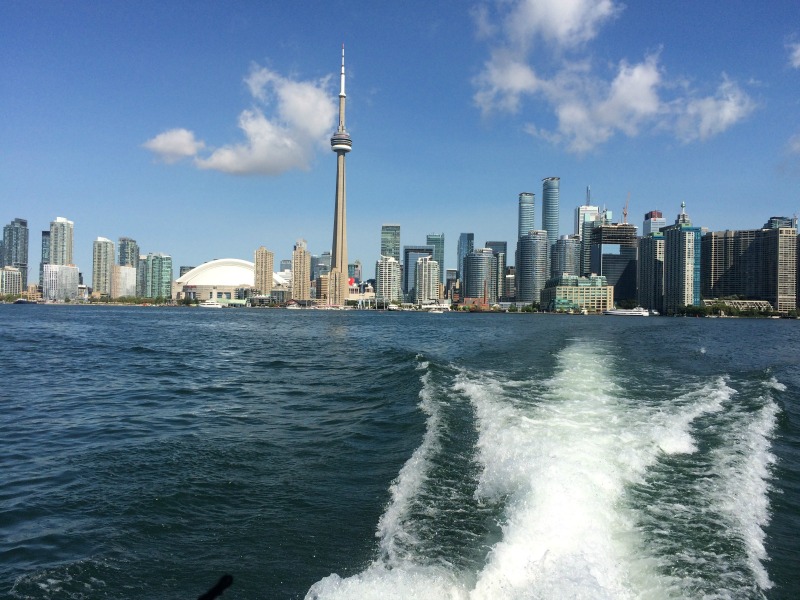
(674, 109)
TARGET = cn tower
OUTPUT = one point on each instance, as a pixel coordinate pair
(341, 144)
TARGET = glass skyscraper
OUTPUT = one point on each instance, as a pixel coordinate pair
(128, 252)
(15, 248)
(550, 192)
(531, 268)
(390, 241)
(526, 214)
(466, 244)
(61, 232)
(410, 256)
(437, 241)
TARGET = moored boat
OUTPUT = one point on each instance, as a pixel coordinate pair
(628, 312)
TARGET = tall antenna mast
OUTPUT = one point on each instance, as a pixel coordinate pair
(625, 210)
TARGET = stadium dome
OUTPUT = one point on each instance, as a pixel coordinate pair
(223, 272)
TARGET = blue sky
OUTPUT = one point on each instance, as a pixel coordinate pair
(201, 129)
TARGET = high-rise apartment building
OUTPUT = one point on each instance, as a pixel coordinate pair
(550, 194)
(127, 252)
(585, 212)
(500, 252)
(653, 222)
(682, 252)
(390, 241)
(301, 271)
(123, 281)
(427, 284)
(60, 283)
(613, 255)
(650, 268)
(45, 255)
(410, 256)
(102, 263)
(480, 276)
(341, 144)
(264, 270)
(567, 256)
(154, 274)
(61, 234)
(531, 268)
(526, 219)
(15, 248)
(10, 281)
(437, 241)
(466, 244)
(387, 280)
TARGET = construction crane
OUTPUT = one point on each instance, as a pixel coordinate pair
(625, 210)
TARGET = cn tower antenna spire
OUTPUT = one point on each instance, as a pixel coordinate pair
(341, 89)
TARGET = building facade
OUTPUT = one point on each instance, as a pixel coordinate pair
(650, 269)
(301, 271)
(264, 270)
(390, 241)
(10, 281)
(682, 254)
(613, 254)
(480, 276)
(127, 252)
(60, 283)
(550, 208)
(567, 258)
(15, 248)
(388, 279)
(102, 264)
(531, 269)
(466, 244)
(428, 281)
(569, 293)
(410, 256)
(123, 281)
(527, 214)
(437, 241)
(653, 222)
(61, 240)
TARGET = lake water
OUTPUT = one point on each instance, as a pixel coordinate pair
(325, 454)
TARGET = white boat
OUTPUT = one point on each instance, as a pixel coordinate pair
(210, 304)
(628, 312)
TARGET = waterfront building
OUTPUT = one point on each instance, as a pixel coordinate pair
(437, 241)
(781, 223)
(102, 263)
(567, 256)
(613, 254)
(320, 265)
(388, 280)
(10, 281)
(466, 244)
(45, 255)
(60, 283)
(500, 252)
(527, 214)
(128, 252)
(15, 248)
(123, 281)
(480, 276)
(264, 269)
(509, 284)
(301, 271)
(61, 238)
(682, 252)
(591, 219)
(410, 256)
(390, 241)
(550, 199)
(322, 289)
(157, 275)
(222, 279)
(428, 281)
(570, 293)
(531, 268)
(653, 222)
(450, 282)
(585, 212)
(650, 272)
(355, 271)
(341, 144)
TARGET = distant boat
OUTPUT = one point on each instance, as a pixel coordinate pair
(24, 301)
(293, 306)
(210, 304)
(628, 312)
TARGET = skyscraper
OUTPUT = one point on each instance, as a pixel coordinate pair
(264, 268)
(567, 256)
(157, 278)
(480, 276)
(45, 255)
(102, 262)
(550, 192)
(531, 268)
(526, 222)
(15, 248)
(466, 244)
(682, 252)
(653, 222)
(613, 254)
(437, 241)
(128, 252)
(426, 286)
(500, 252)
(387, 280)
(584, 212)
(61, 232)
(341, 144)
(390, 241)
(650, 267)
(301, 271)
(60, 282)
(410, 256)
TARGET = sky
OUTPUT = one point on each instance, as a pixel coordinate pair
(202, 129)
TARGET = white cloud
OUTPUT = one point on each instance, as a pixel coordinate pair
(588, 107)
(702, 118)
(290, 121)
(173, 145)
(794, 54)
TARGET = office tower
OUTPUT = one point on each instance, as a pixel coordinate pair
(410, 256)
(182, 270)
(61, 233)
(301, 271)
(154, 276)
(60, 283)
(585, 212)
(320, 265)
(531, 268)
(264, 269)
(466, 244)
(102, 262)
(355, 270)
(525, 222)
(509, 286)
(613, 254)
(550, 190)
(570, 293)
(682, 252)
(390, 241)
(123, 281)
(653, 222)
(341, 144)
(781, 223)
(590, 221)
(387, 280)
(650, 276)
(567, 255)
(15, 248)
(500, 251)
(286, 264)
(780, 268)
(127, 252)
(427, 283)
(11, 281)
(480, 276)
(437, 241)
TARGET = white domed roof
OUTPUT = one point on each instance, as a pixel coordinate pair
(221, 272)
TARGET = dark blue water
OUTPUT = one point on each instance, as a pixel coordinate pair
(145, 452)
